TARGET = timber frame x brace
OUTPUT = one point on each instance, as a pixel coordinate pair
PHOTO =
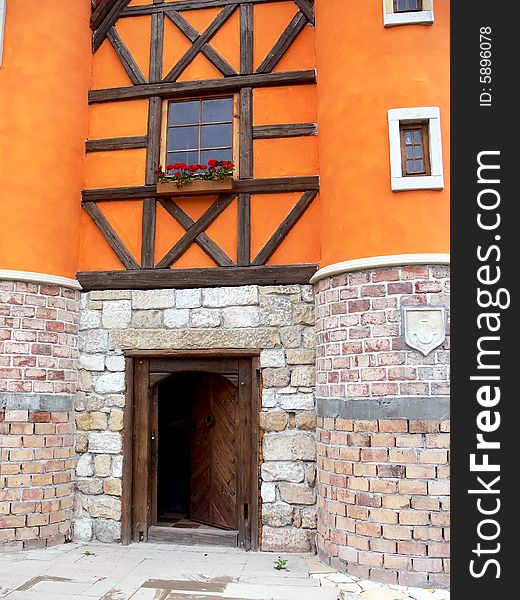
(155, 87)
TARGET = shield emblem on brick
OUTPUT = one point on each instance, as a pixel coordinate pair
(424, 327)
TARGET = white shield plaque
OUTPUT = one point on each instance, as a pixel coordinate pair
(424, 327)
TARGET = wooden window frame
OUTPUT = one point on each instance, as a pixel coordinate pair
(235, 151)
(430, 116)
(3, 10)
(392, 17)
(418, 9)
(425, 145)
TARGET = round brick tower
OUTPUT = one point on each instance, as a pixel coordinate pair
(382, 295)
(43, 105)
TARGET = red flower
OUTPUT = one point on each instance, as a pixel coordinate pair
(177, 174)
(203, 166)
(170, 167)
(178, 166)
(213, 163)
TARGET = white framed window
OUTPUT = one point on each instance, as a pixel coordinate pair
(415, 148)
(407, 12)
(2, 27)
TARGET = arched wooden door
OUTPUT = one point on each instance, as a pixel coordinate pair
(214, 452)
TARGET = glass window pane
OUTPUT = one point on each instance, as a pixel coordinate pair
(218, 110)
(417, 136)
(419, 167)
(215, 155)
(408, 137)
(190, 158)
(417, 152)
(215, 136)
(409, 151)
(410, 166)
(183, 138)
(184, 113)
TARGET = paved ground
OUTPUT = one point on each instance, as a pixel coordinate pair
(167, 572)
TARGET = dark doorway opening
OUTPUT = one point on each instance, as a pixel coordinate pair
(191, 463)
(197, 463)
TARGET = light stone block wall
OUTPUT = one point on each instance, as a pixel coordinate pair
(277, 319)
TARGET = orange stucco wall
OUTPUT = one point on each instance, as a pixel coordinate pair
(365, 69)
(43, 124)
(272, 158)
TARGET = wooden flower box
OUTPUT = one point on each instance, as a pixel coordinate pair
(197, 187)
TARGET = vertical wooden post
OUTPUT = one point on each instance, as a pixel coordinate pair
(142, 450)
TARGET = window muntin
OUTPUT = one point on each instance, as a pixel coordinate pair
(200, 130)
(415, 152)
(401, 6)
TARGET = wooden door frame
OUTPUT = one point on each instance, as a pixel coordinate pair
(137, 512)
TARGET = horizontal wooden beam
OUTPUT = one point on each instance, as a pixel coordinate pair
(267, 132)
(123, 143)
(148, 279)
(254, 186)
(207, 86)
(181, 5)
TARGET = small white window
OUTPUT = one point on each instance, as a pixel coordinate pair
(407, 12)
(2, 27)
(415, 149)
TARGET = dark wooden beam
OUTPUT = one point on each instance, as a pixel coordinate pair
(156, 48)
(307, 8)
(112, 14)
(203, 240)
(281, 232)
(244, 230)
(267, 132)
(254, 186)
(218, 207)
(100, 12)
(246, 133)
(108, 144)
(199, 43)
(149, 279)
(210, 53)
(246, 39)
(148, 233)
(183, 5)
(283, 44)
(126, 59)
(111, 236)
(208, 86)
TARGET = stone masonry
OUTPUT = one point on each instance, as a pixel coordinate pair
(279, 320)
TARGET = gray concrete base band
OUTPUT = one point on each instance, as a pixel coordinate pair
(36, 402)
(409, 407)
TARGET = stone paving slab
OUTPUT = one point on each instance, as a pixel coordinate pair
(96, 571)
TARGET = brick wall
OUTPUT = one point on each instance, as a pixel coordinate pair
(383, 428)
(383, 499)
(38, 338)
(360, 349)
(38, 377)
(36, 477)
